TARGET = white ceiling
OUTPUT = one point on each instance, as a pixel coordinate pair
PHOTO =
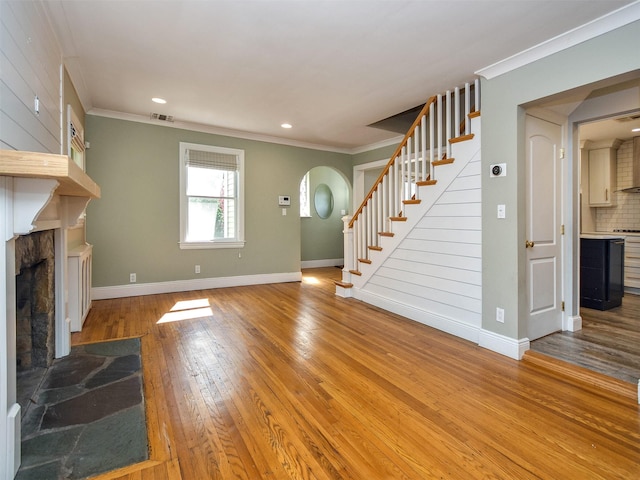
(330, 68)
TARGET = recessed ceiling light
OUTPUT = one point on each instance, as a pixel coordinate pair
(286, 125)
(158, 100)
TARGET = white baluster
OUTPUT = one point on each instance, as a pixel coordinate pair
(374, 217)
(384, 203)
(439, 126)
(416, 165)
(431, 140)
(423, 137)
(467, 108)
(403, 157)
(409, 169)
(448, 120)
(456, 113)
(477, 92)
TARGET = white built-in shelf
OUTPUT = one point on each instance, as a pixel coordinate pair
(73, 180)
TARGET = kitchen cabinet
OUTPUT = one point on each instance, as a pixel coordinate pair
(601, 272)
(602, 177)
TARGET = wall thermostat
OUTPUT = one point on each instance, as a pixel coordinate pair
(284, 201)
(499, 170)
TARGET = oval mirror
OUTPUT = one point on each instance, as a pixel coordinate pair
(323, 200)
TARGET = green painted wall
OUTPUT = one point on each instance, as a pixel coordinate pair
(503, 98)
(134, 227)
(322, 238)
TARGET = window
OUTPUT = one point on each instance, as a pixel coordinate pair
(305, 206)
(211, 196)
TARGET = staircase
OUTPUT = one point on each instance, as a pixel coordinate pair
(414, 245)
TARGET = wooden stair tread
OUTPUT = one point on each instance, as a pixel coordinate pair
(364, 260)
(342, 284)
(424, 183)
(355, 272)
(398, 219)
(413, 201)
(375, 247)
(444, 161)
(462, 138)
(581, 374)
(474, 114)
(386, 234)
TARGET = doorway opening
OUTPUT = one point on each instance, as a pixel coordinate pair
(325, 198)
(609, 339)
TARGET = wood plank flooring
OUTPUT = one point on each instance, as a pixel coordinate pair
(289, 381)
(609, 342)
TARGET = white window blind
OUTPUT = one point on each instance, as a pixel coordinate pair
(211, 160)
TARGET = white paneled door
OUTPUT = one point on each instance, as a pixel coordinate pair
(543, 244)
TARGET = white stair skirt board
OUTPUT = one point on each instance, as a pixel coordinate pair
(138, 289)
(509, 347)
(448, 325)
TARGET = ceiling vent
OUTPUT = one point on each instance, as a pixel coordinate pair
(162, 117)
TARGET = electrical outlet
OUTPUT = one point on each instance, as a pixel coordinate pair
(499, 314)
(197, 268)
(132, 278)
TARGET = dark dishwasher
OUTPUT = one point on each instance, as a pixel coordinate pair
(601, 272)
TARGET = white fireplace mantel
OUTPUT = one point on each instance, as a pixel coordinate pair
(48, 189)
(38, 191)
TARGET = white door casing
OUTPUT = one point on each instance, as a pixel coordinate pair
(543, 227)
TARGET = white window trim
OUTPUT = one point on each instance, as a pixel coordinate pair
(238, 242)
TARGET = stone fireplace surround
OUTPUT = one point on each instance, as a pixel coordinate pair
(35, 300)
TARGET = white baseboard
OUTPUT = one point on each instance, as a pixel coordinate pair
(447, 325)
(137, 289)
(14, 434)
(507, 346)
(327, 262)
(572, 324)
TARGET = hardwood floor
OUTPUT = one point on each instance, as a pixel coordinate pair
(288, 381)
(609, 342)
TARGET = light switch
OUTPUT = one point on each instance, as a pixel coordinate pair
(284, 212)
(502, 213)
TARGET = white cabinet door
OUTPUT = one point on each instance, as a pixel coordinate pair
(602, 177)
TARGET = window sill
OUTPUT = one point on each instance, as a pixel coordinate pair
(210, 245)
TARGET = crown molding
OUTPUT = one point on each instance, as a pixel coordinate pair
(607, 23)
(197, 127)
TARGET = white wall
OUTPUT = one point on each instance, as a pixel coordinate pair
(31, 66)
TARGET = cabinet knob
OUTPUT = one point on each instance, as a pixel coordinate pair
(529, 244)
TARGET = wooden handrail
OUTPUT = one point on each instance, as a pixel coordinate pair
(402, 144)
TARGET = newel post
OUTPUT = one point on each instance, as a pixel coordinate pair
(348, 248)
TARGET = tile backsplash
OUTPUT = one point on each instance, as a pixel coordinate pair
(626, 213)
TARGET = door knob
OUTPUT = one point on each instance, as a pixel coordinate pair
(529, 244)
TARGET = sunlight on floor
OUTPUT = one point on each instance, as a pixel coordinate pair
(310, 280)
(187, 310)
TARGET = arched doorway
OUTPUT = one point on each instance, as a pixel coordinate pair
(327, 197)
